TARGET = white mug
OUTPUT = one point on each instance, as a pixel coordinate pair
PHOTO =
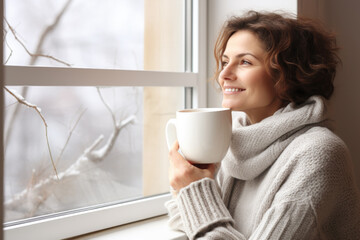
(204, 134)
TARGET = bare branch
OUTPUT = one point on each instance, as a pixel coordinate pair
(69, 136)
(22, 100)
(89, 156)
(107, 106)
(100, 154)
(33, 55)
(46, 33)
(12, 118)
(7, 44)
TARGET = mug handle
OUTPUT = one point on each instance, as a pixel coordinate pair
(171, 133)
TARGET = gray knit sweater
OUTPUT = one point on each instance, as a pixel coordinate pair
(287, 177)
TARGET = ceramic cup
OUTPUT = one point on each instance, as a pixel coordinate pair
(204, 134)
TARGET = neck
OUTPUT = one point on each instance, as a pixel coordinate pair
(257, 115)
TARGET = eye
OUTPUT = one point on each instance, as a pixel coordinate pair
(224, 64)
(245, 62)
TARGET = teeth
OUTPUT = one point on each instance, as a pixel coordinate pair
(232, 90)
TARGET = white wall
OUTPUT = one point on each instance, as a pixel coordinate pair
(218, 12)
(342, 17)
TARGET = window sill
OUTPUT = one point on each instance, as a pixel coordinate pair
(153, 228)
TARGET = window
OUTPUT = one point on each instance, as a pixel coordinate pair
(89, 88)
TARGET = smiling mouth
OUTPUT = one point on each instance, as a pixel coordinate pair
(228, 90)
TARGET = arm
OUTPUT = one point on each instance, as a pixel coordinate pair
(201, 214)
(197, 206)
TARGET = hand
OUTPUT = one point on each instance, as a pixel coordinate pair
(182, 172)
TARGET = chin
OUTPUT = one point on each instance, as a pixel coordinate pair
(232, 107)
(226, 104)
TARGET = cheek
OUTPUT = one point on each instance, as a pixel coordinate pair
(220, 82)
(267, 88)
(220, 78)
(262, 85)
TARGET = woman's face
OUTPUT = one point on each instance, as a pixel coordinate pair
(245, 84)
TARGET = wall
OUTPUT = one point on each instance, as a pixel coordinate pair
(340, 16)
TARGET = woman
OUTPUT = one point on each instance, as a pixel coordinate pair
(286, 174)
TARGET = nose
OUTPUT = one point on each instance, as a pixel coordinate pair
(228, 73)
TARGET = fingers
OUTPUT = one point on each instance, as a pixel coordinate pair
(175, 146)
(208, 170)
(174, 151)
(176, 158)
(182, 172)
(178, 161)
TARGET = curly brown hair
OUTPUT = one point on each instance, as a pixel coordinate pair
(301, 55)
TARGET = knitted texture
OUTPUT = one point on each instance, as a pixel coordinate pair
(202, 206)
(287, 177)
(255, 147)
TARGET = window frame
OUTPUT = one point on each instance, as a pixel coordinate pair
(81, 221)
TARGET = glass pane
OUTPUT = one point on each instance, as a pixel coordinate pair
(112, 34)
(102, 142)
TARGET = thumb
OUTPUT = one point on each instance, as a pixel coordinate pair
(175, 157)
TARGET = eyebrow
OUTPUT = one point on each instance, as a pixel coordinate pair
(241, 55)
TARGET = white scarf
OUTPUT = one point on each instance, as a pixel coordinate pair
(255, 147)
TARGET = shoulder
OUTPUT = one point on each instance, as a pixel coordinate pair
(319, 144)
(323, 172)
(320, 164)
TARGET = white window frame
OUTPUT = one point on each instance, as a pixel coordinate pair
(77, 222)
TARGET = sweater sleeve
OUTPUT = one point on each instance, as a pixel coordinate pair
(200, 212)
(288, 220)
